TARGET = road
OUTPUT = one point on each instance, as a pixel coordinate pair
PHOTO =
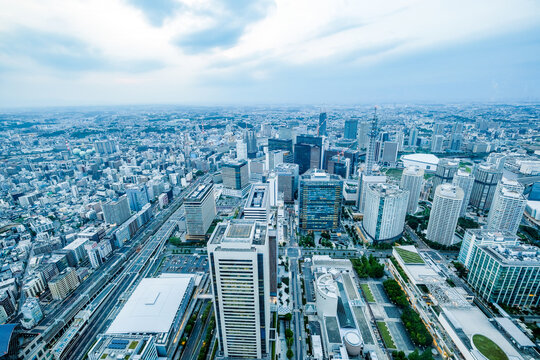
(197, 336)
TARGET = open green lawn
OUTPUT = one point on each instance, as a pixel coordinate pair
(488, 348)
(409, 257)
(367, 292)
(385, 333)
(394, 173)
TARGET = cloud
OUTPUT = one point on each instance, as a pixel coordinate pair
(156, 11)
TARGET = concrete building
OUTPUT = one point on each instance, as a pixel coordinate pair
(385, 210)
(476, 237)
(200, 208)
(287, 179)
(308, 152)
(486, 178)
(137, 196)
(428, 162)
(250, 138)
(63, 284)
(241, 150)
(31, 313)
(464, 180)
(507, 275)
(98, 252)
(319, 201)
(437, 143)
(363, 134)
(413, 137)
(446, 168)
(235, 176)
(124, 347)
(507, 208)
(116, 212)
(388, 153)
(258, 203)
(412, 179)
(444, 214)
(322, 124)
(239, 260)
(364, 181)
(351, 129)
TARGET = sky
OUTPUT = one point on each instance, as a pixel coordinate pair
(213, 52)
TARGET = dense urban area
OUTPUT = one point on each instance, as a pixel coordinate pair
(299, 232)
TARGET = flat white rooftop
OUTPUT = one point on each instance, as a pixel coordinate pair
(152, 307)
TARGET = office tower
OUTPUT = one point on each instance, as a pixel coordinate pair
(413, 137)
(370, 156)
(274, 158)
(257, 204)
(486, 178)
(105, 147)
(508, 275)
(273, 192)
(257, 169)
(62, 284)
(322, 125)
(235, 174)
(137, 195)
(351, 129)
(241, 150)
(465, 181)
(497, 159)
(363, 134)
(280, 144)
(287, 178)
(116, 212)
(200, 208)
(388, 155)
(239, 254)
(444, 214)
(412, 179)
(507, 207)
(446, 168)
(319, 197)
(250, 138)
(363, 183)
(308, 152)
(385, 210)
(400, 139)
(437, 143)
(438, 129)
(475, 237)
(31, 313)
(339, 165)
(329, 153)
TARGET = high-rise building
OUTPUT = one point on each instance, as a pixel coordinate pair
(465, 180)
(257, 204)
(250, 138)
(534, 195)
(363, 183)
(476, 237)
(413, 137)
(287, 179)
(31, 313)
(508, 275)
(370, 156)
(308, 152)
(363, 134)
(486, 178)
(444, 214)
(351, 128)
(240, 264)
(116, 212)
(385, 211)
(137, 195)
(235, 174)
(98, 252)
(388, 154)
(62, 284)
(508, 206)
(497, 159)
(200, 208)
(319, 201)
(446, 168)
(280, 144)
(274, 158)
(105, 147)
(241, 150)
(437, 143)
(400, 139)
(339, 165)
(412, 179)
(322, 124)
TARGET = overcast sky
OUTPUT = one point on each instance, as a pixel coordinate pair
(94, 52)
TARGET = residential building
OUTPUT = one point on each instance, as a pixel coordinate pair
(465, 180)
(116, 212)
(446, 168)
(412, 179)
(444, 214)
(507, 208)
(64, 283)
(486, 178)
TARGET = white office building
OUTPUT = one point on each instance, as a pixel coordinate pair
(257, 203)
(239, 259)
(385, 211)
(444, 214)
(507, 207)
(411, 180)
(200, 208)
(476, 237)
(465, 180)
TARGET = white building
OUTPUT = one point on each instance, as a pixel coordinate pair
(239, 261)
(200, 208)
(465, 180)
(257, 203)
(363, 183)
(31, 313)
(385, 210)
(476, 237)
(241, 150)
(411, 180)
(428, 162)
(507, 207)
(444, 214)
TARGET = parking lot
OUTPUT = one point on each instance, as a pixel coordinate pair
(185, 264)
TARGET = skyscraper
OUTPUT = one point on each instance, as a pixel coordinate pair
(475, 237)
(363, 134)
(486, 178)
(280, 144)
(507, 208)
(437, 143)
(200, 208)
(319, 201)
(411, 180)
(384, 212)
(308, 152)
(137, 196)
(413, 137)
(446, 168)
(465, 180)
(257, 205)
(287, 178)
(250, 138)
(370, 156)
(351, 129)
(363, 184)
(241, 150)
(444, 214)
(116, 212)
(235, 174)
(240, 264)
(388, 154)
(322, 124)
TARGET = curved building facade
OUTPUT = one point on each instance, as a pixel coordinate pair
(444, 214)
(486, 178)
(411, 180)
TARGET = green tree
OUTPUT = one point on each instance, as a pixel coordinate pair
(290, 354)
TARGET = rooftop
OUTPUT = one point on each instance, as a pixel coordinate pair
(423, 158)
(239, 231)
(519, 254)
(257, 196)
(199, 192)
